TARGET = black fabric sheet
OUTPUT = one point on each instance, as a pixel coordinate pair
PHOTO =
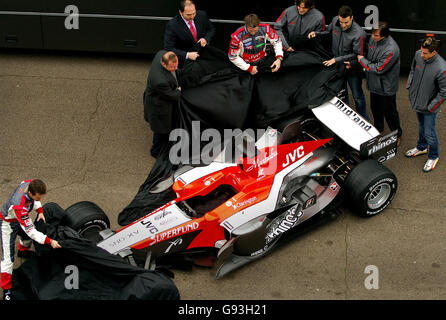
(221, 96)
(101, 276)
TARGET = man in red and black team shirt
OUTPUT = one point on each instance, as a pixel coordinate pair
(248, 45)
(15, 220)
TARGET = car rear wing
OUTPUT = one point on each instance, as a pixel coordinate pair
(346, 123)
(381, 148)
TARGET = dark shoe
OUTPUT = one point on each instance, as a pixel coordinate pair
(25, 254)
(7, 295)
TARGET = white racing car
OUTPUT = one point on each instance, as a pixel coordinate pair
(236, 209)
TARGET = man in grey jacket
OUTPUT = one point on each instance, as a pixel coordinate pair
(382, 69)
(348, 41)
(296, 23)
(427, 92)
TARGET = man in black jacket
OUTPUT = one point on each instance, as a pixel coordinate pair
(186, 30)
(161, 98)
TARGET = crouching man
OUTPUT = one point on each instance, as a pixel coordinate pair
(247, 49)
(15, 220)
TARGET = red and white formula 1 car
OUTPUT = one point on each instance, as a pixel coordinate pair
(238, 210)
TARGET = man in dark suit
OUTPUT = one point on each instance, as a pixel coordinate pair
(187, 29)
(161, 98)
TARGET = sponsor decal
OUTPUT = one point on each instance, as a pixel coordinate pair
(122, 238)
(174, 243)
(334, 186)
(149, 226)
(259, 162)
(383, 144)
(244, 203)
(175, 232)
(293, 156)
(258, 252)
(282, 225)
(352, 115)
(310, 202)
(28, 224)
(163, 214)
(168, 221)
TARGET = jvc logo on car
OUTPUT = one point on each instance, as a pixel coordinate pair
(293, 156)
(149, 225)
(280, 226)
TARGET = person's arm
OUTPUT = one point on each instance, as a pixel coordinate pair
(27, 225)
(441, 96)
(234, 55)
(358, 50)
(280, 24)
(273, 37)
(39, 209)
(411, 73)
(387, 60)
(170, 40)
(321, 27)
(167, 92)
(327, 30)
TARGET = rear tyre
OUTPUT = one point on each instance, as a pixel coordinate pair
(370, 188)
(87, 218)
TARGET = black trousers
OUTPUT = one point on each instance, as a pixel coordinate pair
(160, 143)
(384, 107)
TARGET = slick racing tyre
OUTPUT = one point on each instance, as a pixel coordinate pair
(87, 219)
(370, 188)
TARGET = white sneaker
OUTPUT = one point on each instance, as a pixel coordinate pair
(430, 165)
(412, 153)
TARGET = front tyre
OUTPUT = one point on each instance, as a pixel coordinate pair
(370, 188)
(87, 218)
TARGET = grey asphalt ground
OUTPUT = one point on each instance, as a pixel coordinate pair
(76, 122)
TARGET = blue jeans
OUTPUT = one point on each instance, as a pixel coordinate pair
(427, 134)
(355, 84)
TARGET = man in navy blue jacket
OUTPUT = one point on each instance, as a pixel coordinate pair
(186, 30)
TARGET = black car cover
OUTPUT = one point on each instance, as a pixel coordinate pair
(83, 271)
(221, 96)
